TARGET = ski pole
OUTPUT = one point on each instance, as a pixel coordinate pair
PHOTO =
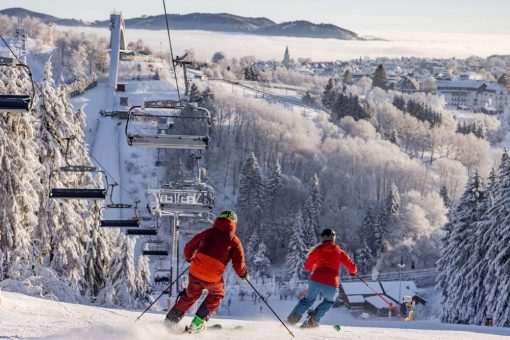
(162, 293)
(382, 298)
(264, 299)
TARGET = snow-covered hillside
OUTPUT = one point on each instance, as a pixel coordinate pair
(28, 317)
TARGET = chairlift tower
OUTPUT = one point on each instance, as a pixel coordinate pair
(181, 199)
(117, 45)
(21, 40)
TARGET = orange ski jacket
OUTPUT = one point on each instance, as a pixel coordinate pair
(210, 251)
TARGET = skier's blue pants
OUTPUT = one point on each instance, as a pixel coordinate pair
(314, 289)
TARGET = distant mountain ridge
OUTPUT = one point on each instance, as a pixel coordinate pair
(222, 22)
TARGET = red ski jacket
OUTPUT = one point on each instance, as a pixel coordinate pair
(324, 262)
(210, 251)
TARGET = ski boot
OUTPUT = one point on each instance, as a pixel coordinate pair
(293, 318)
(310, 323)
(197, 325)
(172, 318)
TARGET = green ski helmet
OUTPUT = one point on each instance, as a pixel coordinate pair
(229, 215)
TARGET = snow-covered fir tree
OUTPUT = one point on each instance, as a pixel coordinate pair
(260, 262)
(143, 277)
(330, 93)
(251, 247)
(57, 244)
(297, 249)
(496, 243)
(274, 184)
(97, 260)
(19, 183)
(380, 79)
(121, 290)
(370, 227)
(250, 195)
(364, 259)
(458, 246)
(388, 223)
(311, 212)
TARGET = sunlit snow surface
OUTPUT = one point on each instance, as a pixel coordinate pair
(28, 317)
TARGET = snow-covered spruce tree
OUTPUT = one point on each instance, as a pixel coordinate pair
(250, 195)
(476, 266)
(261, 263)
(363, 258)
(121, 290)
(347, 78)
(458, 245)
(496, 241)
(69, 222)
(143, 277)
(251, 247)
(370, 227)
(380, 79)
(311, 212)
(296, 255)
(274, 184)
(388, 221)
(19, 183)
(97, 260)
(329, 94)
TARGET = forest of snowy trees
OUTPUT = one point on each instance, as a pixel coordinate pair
(382, 169)
(474, 264)
(51, 247)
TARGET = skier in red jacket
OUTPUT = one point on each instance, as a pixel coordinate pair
(324, 262)
(209, 253)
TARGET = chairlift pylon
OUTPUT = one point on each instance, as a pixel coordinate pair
(168, 124)
(77, 193)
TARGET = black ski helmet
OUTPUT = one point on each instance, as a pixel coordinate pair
(328, 234)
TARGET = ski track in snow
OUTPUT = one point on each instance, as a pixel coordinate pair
(23, 317)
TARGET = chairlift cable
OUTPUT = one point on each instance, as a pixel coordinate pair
(171, 51)
(81, 143)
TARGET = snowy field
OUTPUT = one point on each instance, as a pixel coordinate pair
(28, 317)
(418, 44)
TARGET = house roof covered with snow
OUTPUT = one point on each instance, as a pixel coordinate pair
(469, 85)
(355, 299)
(359, 288)
(357, 293)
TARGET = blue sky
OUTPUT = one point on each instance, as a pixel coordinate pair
(458, 16)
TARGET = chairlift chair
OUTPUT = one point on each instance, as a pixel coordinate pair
(77, 193)
(162, 276)
(16, 103)
(154, 248)
(195, 226)
(142, 232)
(188, 197)
(168, 124)
(133, 222)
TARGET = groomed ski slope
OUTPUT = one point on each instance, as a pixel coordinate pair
(23, 316)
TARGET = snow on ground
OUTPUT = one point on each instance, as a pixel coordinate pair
(28, 317)
(241, 91)
(133, 168)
